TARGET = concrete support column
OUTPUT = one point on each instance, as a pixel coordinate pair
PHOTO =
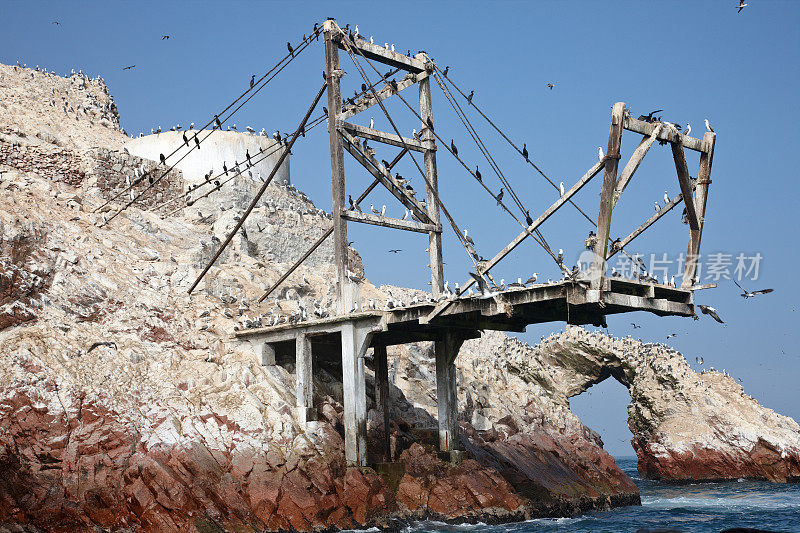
(305, 379)
(355, 341)
(382, 393)
(265, 352)
(446, 351)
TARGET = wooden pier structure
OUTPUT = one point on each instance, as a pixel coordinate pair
(449, 321)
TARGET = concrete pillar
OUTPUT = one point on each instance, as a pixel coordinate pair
(382, 393)
(446, 351)
(265, 352)
(305, 379)
(355, 341)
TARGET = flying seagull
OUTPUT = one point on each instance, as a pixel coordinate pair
(747, 294)
(129, 67)
(635, 326)
(395, 251)
(708, 126)
(741, 6)
(550, 86)
(698, 360)
(671, 335)
(57, 23)
(710, 311)
(164, 37)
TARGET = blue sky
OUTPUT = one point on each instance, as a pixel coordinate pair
(693, 59)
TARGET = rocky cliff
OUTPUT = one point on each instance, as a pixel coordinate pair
(123, 405)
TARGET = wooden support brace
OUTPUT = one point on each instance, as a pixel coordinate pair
(381, 54)
(304, 378)
(666, 134)
(355, 341)
(386, 92)
(383, 137)
(386, 178)
(591, 173)
(598, 268)
(686, 185)
(700, 198)
(446, 351)
(634, 162)
(647, 223)
(386, 222)
(382, 394)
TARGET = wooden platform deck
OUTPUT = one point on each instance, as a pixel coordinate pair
(313, 342)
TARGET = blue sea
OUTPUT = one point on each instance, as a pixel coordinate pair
(695, 508)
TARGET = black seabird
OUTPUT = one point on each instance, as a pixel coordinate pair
(525, 151)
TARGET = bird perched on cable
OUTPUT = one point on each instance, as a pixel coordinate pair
(469, 98)
(550, 86)
(289, 47)
(710, 311)
(747, 294)
(196, 141)
(185, 140)
(525, 151)
(453, 148)
(499, 196)
(252, 80)
(477, 173)
(129, 67)
(708, 126)
(429, 122)
(446, 70)
(162, 158)
(528, 219)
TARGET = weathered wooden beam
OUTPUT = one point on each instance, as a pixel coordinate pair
(377, 170)
(387, 91)
(304, 377)
(297, 263)
(700, 198)
(598, 268)
(355, 341)
(376, 182)
(634, 162)
(591, 173)
(446, 391)
(686, 185)
(646, 224)
(381, 54)
(384, 137)
(666, 134)
(382, 393)
(431, 186)
(387, 222)
(333, 75)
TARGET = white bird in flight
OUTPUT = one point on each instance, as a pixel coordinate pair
(741, 6)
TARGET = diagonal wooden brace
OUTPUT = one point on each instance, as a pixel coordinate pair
(386, 178)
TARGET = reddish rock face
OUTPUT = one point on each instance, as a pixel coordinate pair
(75, 465)
(763, 461)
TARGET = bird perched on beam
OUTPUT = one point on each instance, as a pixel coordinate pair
(708, 126)
(600, 155)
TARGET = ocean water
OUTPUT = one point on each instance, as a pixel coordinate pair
(695, 508)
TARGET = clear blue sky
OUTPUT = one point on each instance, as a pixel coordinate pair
(693, 59)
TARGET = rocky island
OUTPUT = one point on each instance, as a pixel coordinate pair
(125, 405)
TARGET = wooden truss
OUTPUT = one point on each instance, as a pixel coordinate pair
(345, 136)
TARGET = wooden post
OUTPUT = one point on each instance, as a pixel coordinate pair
(446, 351)
(382, 393)
(355, 340)
(334, 73)
(607, 195)
(304, 378)
(432, 186)
(700, 197)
